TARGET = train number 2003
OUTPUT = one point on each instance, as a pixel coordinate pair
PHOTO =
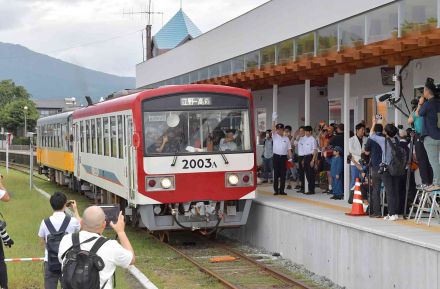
(200, 163)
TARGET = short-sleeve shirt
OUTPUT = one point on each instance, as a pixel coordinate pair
(306, 145)
(2, 193)
(112, 253)
(57, 219)
(430, 112)
(418, 123)
(281, 144)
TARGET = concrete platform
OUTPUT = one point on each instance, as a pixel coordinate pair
(355, 252)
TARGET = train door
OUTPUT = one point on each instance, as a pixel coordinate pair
(130, 159)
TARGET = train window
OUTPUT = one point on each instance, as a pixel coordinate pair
(88, 136)
(99, 135)
(200, 131)
(58, 135)
(81, 135)
(106, 136)
(120, 137)
(93, 131)
(113, 136)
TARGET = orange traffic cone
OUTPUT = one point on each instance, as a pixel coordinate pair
(357, 209)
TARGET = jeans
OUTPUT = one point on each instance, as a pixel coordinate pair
(391, 184)
(432, 147)
(50, 278)
(354, 173)
(376, 181)
(425, 168)
(267, 168)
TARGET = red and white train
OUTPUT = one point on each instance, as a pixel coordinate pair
(176, 157)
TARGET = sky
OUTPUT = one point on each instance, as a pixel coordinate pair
(102, 34)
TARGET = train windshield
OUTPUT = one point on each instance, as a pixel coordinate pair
(193, 132)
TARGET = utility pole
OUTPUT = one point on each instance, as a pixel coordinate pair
(148, 40)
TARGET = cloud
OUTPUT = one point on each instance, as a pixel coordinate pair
(95, 33)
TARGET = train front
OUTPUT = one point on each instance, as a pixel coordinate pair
(198, 160)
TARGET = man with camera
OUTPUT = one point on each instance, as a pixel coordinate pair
(391, 168)
(51, 232)
(6, 240)
(430, 111)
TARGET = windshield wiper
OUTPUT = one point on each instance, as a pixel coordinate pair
(223, 155)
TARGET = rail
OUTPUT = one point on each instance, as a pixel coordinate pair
(248, 264)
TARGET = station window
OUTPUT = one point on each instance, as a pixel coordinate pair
(113, 136)
(120, 137)
(93, 130)
(81, 133)
(106, 136)
(99, 133)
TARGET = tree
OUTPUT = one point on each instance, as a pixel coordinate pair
(10, 92)
(12, 115)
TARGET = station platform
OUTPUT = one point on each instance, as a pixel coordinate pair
(354, 252)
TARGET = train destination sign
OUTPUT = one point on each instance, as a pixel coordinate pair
(195, 101)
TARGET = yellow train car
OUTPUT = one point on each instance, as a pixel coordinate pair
(55, 147)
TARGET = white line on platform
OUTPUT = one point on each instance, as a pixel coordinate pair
(145, 282)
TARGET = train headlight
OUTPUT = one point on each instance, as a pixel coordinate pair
(166, 183)
(233, 179)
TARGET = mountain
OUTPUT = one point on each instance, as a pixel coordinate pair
(45, 77)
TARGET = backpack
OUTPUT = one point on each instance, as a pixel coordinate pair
(53, 244)
(80, 267)
(397, 166)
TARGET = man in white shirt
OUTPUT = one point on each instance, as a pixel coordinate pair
(228, 143)
(356, 145)
(308, 150)
(58, 202)
(4, 197)
(281, 150)
(112, 253)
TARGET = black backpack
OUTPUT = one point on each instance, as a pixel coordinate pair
(53, 244)
(397, 166)
(80, 267)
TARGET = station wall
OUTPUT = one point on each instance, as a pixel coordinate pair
(268, 24)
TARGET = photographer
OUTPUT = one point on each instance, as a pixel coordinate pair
(416, 121)
(388, 144)
(51, 232)
(4, 197)
(430, 110)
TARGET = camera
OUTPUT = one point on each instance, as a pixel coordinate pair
(362, 162)
(382, 168)
(7, 241)
(69, 203)
(349, 157)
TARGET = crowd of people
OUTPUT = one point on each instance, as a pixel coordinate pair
(379, 157)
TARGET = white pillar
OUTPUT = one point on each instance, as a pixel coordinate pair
(346, 110)
(397, 85)
(275, 98)
(307, 103)
(306, 118)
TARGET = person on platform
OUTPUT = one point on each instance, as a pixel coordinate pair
(308, 149)
(337, 173)
(356, 145)
(281, 153)
(267, 157)
(430, 111)
(298, 135)
(338, 138)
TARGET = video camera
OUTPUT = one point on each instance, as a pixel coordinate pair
(7, 241)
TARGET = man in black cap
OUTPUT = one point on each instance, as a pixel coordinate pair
(281, 149)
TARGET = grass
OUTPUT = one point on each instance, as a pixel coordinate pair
(27, 209)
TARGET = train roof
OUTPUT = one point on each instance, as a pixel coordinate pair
(56, 118)
(126, 102)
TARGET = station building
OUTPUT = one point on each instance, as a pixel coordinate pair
(313, 60)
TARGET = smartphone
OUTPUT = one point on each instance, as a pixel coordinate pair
(111, 213)
(379, 117)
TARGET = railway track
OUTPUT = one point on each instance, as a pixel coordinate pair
(234, 269)
(240, 272)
